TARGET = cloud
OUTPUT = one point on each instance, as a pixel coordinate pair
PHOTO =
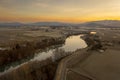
(59, 8)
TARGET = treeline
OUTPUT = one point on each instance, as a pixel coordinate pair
(93, 41)
(20, 51)
(36, 70)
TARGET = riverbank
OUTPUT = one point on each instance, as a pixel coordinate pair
(23, 43)
(102, 62)
(26, 50)
(49, 66)
(20, 44)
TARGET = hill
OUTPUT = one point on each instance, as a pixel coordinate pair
(102, 23)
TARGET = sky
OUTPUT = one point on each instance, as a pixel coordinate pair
(59, 10)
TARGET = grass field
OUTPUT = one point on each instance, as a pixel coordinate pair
(9, 36)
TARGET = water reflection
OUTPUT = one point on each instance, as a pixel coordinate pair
(72, 43)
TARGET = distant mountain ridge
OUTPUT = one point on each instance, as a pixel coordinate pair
(50, 24)
(102, 23)
(11, 24)
(17, 24)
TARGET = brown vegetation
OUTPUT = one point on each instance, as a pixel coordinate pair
(36, 70)
(20, 51)
(93, 41)
(58, 54)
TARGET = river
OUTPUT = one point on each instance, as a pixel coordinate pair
(72, 43)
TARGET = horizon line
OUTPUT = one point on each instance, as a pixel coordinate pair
(58, 21)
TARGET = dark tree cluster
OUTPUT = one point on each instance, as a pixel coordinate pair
(21, 51)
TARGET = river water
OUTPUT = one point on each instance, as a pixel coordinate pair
(72, 43)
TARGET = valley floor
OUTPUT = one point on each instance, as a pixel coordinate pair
(94, 64)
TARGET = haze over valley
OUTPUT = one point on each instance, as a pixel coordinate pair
(59, 40)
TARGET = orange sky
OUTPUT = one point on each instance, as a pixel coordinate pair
(59, 10)
(58, 19)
